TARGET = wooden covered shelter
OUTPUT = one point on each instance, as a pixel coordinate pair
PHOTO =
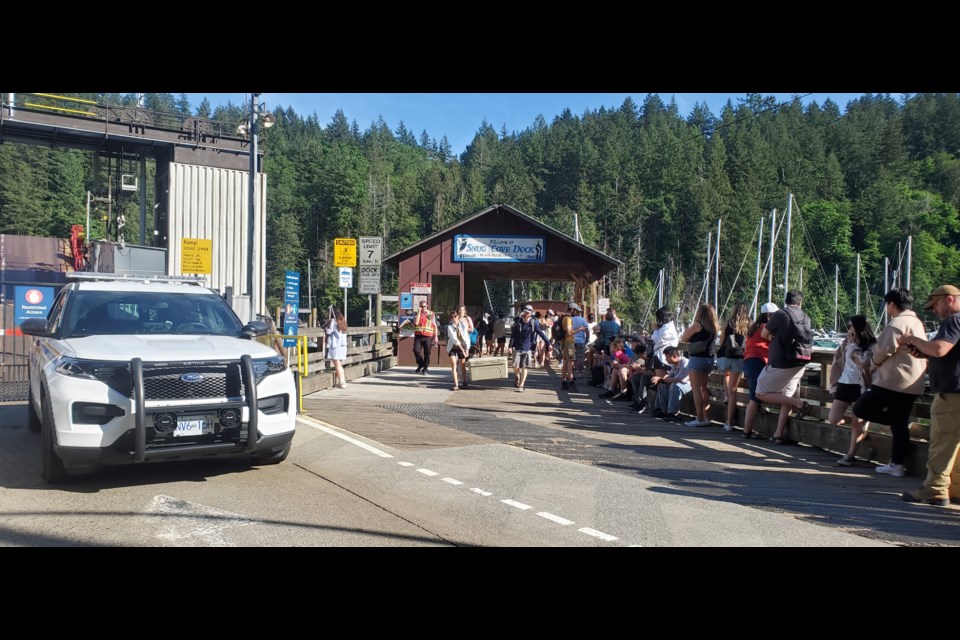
(495, 244)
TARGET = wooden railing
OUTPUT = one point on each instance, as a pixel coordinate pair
(814, 430)
(370, 350)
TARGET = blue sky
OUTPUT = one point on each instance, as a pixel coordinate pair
(459, 115)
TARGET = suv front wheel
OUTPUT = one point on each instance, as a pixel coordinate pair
(51, 466)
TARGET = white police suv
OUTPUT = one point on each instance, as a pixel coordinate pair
(128, 370)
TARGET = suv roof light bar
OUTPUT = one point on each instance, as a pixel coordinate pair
(145, 277)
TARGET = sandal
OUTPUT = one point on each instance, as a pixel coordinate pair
(454, 388)
(778, 440)
(805, 409)
(750, 435)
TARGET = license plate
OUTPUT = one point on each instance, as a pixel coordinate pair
(194, 426)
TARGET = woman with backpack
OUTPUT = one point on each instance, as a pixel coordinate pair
(849, 377)
(730, 358)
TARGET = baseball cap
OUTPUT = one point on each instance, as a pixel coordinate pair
(769, 307)
(945, 290)
(528, 309)
(574, 306)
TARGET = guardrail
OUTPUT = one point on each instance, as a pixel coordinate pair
(371, 350)
(814, 430)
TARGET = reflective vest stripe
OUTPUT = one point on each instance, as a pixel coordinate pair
(425, 324)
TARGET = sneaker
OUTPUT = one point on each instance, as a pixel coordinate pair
(573, 385)
(640, 410)
(565, 386)
(622, 397)
(895, 470)
(727, 427)
(657, 413)
(419, 369)
(704, 423)
(606, 394)
(423, 372)
(673, 417)
(847, 462)
(692, 423)
(921, 496)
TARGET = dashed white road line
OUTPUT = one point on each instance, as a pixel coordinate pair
(321, 427)
(427, 472)
(557, 519)
(606, 537)
(518, 505)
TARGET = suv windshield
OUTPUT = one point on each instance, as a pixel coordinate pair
(90, 313)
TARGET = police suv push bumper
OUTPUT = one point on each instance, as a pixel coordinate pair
(141, 454)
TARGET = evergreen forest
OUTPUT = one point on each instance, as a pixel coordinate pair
(648, 184)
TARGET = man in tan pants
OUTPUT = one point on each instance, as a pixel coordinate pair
(944, 370)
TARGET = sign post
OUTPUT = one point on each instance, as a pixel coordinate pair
(346, 282)
(345, 256)
(371, 256)
(291, 307)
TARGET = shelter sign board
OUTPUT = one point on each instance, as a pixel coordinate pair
(469, 248)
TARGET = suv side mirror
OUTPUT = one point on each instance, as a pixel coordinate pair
(36, 327)
(255, 329)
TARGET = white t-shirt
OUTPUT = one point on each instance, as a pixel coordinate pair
(592, 336)
(851, 371)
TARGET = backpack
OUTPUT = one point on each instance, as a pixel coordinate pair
(557, 332)
(801, 340)
(734, 345)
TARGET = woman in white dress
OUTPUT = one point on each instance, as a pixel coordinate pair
(337, 345)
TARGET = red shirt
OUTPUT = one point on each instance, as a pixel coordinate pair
(756, 345)
(622, 357)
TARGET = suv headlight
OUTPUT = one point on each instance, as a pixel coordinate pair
(89, 369)
(263, 367)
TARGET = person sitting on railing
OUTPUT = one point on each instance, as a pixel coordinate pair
(672, 387)
(730, 358)
(754, 360)
(849, 377)
(780, 379)
(897, 381)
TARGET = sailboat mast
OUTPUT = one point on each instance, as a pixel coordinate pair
(773, 239)
(786, 255)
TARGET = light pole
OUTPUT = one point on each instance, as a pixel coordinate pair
(253, 244)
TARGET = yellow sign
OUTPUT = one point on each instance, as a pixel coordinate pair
(345, 252)
(196, 256)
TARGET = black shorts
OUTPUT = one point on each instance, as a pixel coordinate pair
(659, 364)
(847, 392)
(459, 353)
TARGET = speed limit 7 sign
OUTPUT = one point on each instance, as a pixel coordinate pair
(371, 251)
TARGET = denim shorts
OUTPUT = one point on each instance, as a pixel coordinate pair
(701, 364)
(734, 365)
(751, 369)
